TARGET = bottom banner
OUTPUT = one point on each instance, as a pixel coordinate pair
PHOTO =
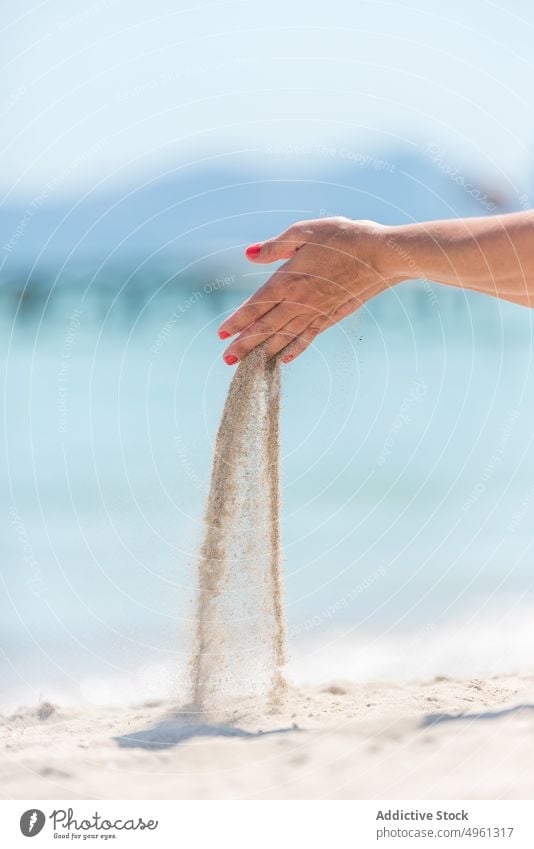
(270, 823)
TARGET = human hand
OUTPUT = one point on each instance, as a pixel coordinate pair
(334, 266)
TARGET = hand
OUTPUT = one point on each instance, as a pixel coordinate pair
(333, 267)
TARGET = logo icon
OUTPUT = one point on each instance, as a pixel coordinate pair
(32, 822)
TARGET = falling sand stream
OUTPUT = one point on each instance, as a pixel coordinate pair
(239, 646)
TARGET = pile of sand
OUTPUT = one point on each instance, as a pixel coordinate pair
(440, 739)
(239, 646)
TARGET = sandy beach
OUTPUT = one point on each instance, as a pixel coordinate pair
(438, 739)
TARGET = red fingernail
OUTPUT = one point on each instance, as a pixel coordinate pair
(253, 251)
(288, 358)
(223, 334)
(230, 359)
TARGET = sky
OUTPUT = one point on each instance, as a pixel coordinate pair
(100, 92)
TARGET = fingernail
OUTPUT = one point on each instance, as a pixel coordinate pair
(288, 358)
(230, 359)
(253, 251)
(223, 334)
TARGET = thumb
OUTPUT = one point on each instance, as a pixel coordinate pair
(281, 247)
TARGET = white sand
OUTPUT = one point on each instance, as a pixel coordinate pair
(345, 741)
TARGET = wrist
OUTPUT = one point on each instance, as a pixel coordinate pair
(404, 253)
(380, 247)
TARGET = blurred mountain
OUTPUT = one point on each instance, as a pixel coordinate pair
(207, 213)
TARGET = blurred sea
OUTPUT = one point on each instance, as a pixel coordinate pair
(408, 485)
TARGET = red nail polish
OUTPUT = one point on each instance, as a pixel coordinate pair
(253, 251)
(230, 359)
(223, 334)
(288, 358)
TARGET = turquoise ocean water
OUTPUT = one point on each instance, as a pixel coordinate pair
(408, 490)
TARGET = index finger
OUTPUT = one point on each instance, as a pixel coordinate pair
(261, 302)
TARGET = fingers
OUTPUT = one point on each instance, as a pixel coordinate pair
(260, 303)
(281, 247)
(346, 309)
(299, 345)
(318, 325)
(259, 331)
(290, 331)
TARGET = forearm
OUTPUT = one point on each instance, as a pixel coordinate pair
(335, 265)
(494, 255)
